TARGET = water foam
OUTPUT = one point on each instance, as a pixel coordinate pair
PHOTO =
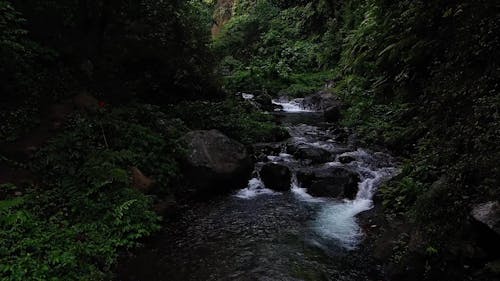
(293, 106)
(301, 193)
(255, 188)
(337, 220)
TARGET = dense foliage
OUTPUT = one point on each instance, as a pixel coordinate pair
(277, 47)
(237, 119)
(71, 224)
(420, 77)
(153, 49)
(77, 208)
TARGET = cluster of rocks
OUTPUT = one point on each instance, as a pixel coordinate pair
(326, 102)
(323, 101)
(215, 163)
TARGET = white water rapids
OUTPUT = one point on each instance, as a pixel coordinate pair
(336, 219)
(293, 106)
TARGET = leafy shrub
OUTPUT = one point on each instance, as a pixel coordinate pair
(418, 77)
(84, 211)
(59, 246)
(239, 120)
(267, 46)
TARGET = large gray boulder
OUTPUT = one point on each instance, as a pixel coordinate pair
(326, 102)
(276, 176)
(314, 154)
(488, 214)
(215, 163)
(337, 182)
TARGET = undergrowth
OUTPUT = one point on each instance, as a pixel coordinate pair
(73, 223)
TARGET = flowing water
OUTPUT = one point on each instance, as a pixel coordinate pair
(260, 234)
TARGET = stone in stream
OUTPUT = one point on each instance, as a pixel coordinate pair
(268, 148)
(275, 176)
(332, 113)
(262, 150)
(346, 159)
(265, 101)
(337, 182)
(315, 154)
(215, 163)
(326, 102)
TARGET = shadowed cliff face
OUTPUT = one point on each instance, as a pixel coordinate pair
(222, 14)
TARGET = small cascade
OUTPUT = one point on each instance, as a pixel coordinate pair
(335, 219)
(301, 193)
(293, 106)
(255, 187)
(261, 234)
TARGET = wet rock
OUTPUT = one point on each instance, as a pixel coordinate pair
(265, 101)
(340, 134)
(488, 214)
(315, 154)
(262, 150)
(332, 113)
(320, 100)
(337, 182)
(215, 162)
(346, 159)
(275, 176)
(279, 134)
(140, 181)
(268, 148)
(327, 102)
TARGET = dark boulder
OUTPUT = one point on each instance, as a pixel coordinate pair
(488, 214)
(346, 159)
(332, 113)
(337, 182)
(215, 162)
(263, 149)
(340, 134)
(275, 176)
(315, 154)
(326, 102)
(265, 101)
(278, 134)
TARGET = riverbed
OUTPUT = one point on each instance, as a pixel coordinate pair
(260, 234)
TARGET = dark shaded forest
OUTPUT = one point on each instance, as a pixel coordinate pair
(97, 98)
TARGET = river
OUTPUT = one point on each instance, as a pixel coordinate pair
(260, 234)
